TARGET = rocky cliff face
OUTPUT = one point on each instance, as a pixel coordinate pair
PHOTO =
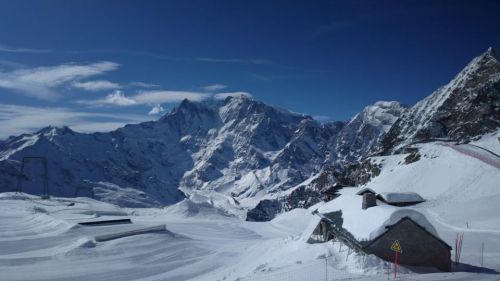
(469, 105)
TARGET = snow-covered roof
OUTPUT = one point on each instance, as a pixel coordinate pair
(308, 231)
(401, 197)
(366, 225)
(365, 190)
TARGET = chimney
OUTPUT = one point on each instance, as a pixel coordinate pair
(369, 200)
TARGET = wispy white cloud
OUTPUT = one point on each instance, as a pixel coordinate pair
(234, 60)
(29, 89)
(8, 64)
(155, 97)
(118, 98)
(221, 96)
(142, 53)
(16, 119)
(115, 98)
(8, 49)
(157, 109)
(57, 75)
(98, 85)
(214, 87)
(322, 118)
(41, 82)
(162, 56)
(92, 127)
(270, 77)
(143, 85)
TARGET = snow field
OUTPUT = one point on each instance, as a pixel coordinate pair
(40, 239)
(462, 195)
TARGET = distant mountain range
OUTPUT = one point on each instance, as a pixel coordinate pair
(245, 150)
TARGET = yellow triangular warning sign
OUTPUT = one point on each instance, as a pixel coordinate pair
(396, 247)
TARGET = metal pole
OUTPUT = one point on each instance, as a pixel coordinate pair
(326, 267)
(482, 254)
(388, 270)
(20, 178)
(45, 178)
(395, 263)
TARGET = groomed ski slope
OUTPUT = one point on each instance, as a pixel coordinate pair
(40, 239)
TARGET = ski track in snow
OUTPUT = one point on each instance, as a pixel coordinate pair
(439, 220)
(479, 153)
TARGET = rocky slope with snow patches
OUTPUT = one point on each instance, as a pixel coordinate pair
(342, 150)
(464, 109)
(468, 106)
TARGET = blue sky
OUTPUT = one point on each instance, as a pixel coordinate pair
(95, 65)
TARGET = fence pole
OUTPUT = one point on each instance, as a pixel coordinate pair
(482, 254)
(388, 269)
(326, 267)
(395, 263)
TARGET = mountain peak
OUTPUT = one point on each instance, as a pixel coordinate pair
(462, 109)
(51, 132)
(387, 104)
(237, 95)
(190, 107)
(54, 130)
(492, 53)
(381, 112)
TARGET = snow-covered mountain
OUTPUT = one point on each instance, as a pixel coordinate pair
(239, 152)
(468, 106)
(364, 132)
(238, 147)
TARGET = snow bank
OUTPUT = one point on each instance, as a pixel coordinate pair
(207, 204)
(294, 221)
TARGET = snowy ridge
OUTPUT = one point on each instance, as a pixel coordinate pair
(18, 145)
(428, 106)
(465, 107)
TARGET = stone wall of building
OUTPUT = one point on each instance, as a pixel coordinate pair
(419, 248)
